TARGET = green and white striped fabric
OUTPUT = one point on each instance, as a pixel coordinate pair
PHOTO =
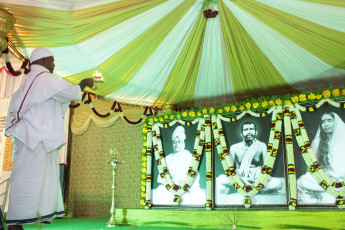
(159, 52)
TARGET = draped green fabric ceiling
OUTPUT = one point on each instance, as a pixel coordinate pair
(166, 52)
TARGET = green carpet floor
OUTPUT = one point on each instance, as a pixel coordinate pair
(165, 219)
(96, 224)
(99, 224)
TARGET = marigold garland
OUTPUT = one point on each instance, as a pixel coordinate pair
(257, 105)
(146, 178)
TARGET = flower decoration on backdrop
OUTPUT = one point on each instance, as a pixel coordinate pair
(210, 13)
(283, 109)
(258, 105)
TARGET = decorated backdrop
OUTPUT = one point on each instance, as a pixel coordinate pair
(290, 153)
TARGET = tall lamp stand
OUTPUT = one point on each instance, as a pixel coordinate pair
(113, 163)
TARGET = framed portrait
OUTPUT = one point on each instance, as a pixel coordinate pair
(326, 131)
(247, 141)
(178, 144)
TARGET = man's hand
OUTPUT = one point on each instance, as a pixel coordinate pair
(86, 82)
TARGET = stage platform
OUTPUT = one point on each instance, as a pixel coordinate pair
(169, 219)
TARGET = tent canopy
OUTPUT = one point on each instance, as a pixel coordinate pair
(168, 52)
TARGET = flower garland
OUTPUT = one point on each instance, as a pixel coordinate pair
(146, 176)
(292, 203)
(256, 104)
(116, 107)
(308, 153)
(24, 68)
(154, 144)
(256, 107)
(209, 13)
(267, 167)
(209, 176)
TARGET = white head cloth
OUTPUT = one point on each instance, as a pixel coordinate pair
(179, 133)
(39, 53)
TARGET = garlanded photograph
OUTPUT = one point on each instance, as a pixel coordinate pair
(248, 140)
(326, 129)
(178, 144)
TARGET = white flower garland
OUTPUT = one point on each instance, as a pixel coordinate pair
(292, 203)
(308, 153)
(223, 152)
(209, 200)
(174, 189)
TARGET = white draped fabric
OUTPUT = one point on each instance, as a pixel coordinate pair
(215, 80)
(93, 52)
(59, 4)
(213, 70)
(319, 13)
(146, 53)
(292, 61)
(160, 63)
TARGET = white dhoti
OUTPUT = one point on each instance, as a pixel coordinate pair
(35, 192)
(246, 170)
(162, 196)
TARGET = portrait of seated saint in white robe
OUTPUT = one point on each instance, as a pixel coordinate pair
(178, 163)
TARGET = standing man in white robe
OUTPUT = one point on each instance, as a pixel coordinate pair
(35, 122)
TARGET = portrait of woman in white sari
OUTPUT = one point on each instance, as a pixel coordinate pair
(329, 148)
